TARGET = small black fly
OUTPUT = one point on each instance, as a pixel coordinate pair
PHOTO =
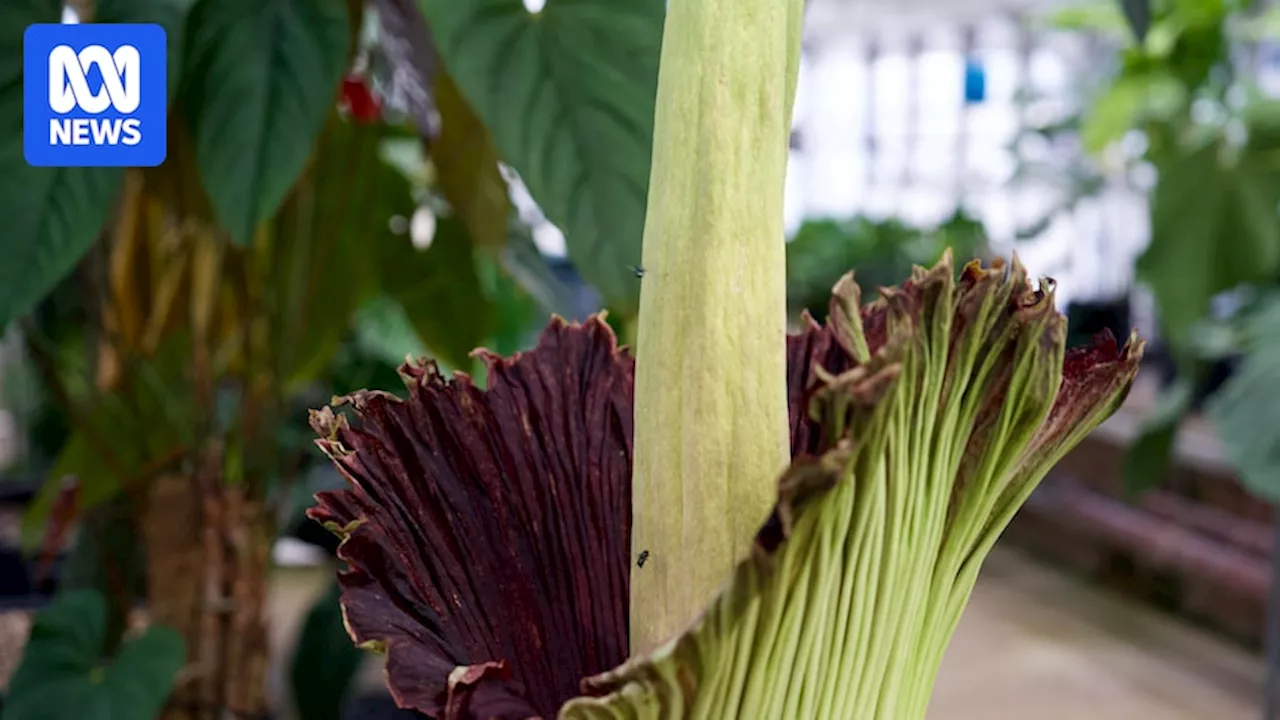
(644, 557)
(637, 269)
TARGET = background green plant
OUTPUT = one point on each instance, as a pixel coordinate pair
(1214, 141)
(882, 251)
(63, 675)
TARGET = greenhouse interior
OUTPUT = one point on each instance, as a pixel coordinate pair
(604, 359)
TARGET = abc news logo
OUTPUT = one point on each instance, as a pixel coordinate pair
(69, 90)
(95, 95)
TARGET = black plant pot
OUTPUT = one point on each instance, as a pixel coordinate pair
(1086, 319)
(19, 589)
(15, 576)
(313, 533)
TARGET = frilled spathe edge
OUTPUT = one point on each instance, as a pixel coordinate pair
(487, 531)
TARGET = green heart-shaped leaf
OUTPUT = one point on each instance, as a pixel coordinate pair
(1214, 227)
(63, 675)
(1246, 409)
(54, 215)
(568, 93)
(260, 80)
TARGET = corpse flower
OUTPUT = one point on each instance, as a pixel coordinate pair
(488, 531)
(738, 523)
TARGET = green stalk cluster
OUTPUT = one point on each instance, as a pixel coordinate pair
(965, 407)
(965, 386)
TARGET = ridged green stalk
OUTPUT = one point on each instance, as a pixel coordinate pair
(711, 418)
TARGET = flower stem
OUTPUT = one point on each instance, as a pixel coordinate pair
(711, 415)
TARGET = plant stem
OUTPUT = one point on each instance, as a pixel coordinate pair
(711, 414)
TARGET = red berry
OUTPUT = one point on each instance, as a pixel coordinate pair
(359, 100)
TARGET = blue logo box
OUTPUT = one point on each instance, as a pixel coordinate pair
(94, 95)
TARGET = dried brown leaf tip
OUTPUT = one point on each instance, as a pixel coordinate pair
(489, 530)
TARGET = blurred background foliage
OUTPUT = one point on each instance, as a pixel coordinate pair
(881, 251)
(1179, 102)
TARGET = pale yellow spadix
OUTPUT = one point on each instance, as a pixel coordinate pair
(711, 408)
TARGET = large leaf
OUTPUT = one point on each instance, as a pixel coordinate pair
(1246, 410)
(1131, 99)
(62, 676)
(261, 77)
(1214, 227)
(568, 94)
(52, 215)
(439, 290)
(323, 261)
